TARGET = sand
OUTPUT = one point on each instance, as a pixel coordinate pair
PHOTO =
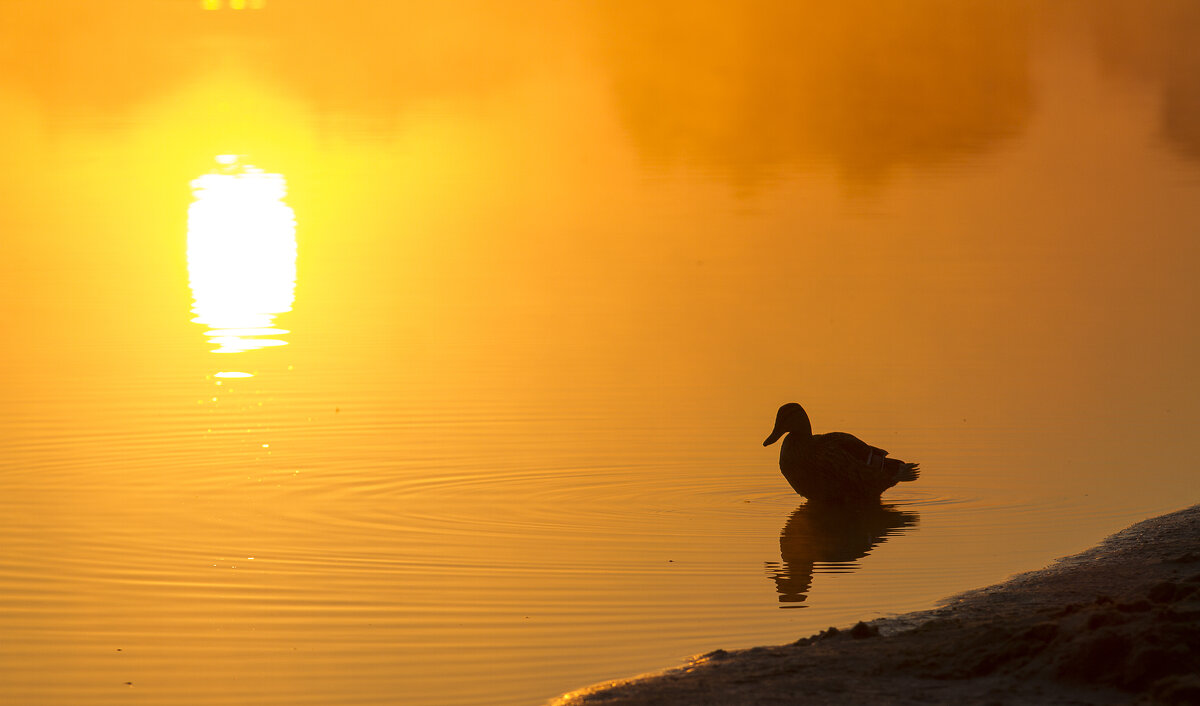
(1117, 624)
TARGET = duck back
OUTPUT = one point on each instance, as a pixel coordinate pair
(840, 468)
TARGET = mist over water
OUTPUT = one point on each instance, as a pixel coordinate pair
(375, 353)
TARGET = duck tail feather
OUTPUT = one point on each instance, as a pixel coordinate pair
(909, 471)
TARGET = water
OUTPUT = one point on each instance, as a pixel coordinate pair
(459, 397)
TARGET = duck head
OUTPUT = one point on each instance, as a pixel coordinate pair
(790, 418)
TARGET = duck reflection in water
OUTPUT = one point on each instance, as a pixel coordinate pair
(828, 533)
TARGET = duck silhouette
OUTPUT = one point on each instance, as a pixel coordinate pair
(836, 467)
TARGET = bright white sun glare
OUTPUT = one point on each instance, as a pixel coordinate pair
(241, 255)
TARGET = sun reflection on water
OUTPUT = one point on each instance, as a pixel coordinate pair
(233, 4)
(241, 255)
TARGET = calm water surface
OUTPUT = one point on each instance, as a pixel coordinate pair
(365, 353)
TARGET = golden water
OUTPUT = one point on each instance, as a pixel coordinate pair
(375, 352)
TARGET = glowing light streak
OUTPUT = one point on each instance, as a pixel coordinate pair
(241, 255)
(233, 4)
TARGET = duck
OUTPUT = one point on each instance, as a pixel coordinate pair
(835, 467)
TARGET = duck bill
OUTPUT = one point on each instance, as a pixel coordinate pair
(773, 437)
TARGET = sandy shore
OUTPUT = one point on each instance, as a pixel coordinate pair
(1117, 624)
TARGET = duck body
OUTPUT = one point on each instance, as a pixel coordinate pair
(835, 467)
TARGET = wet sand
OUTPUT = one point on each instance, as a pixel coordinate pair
(1117, 624)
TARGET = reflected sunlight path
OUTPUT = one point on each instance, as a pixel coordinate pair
(241, 256)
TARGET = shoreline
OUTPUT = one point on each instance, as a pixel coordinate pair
(1115, 624)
